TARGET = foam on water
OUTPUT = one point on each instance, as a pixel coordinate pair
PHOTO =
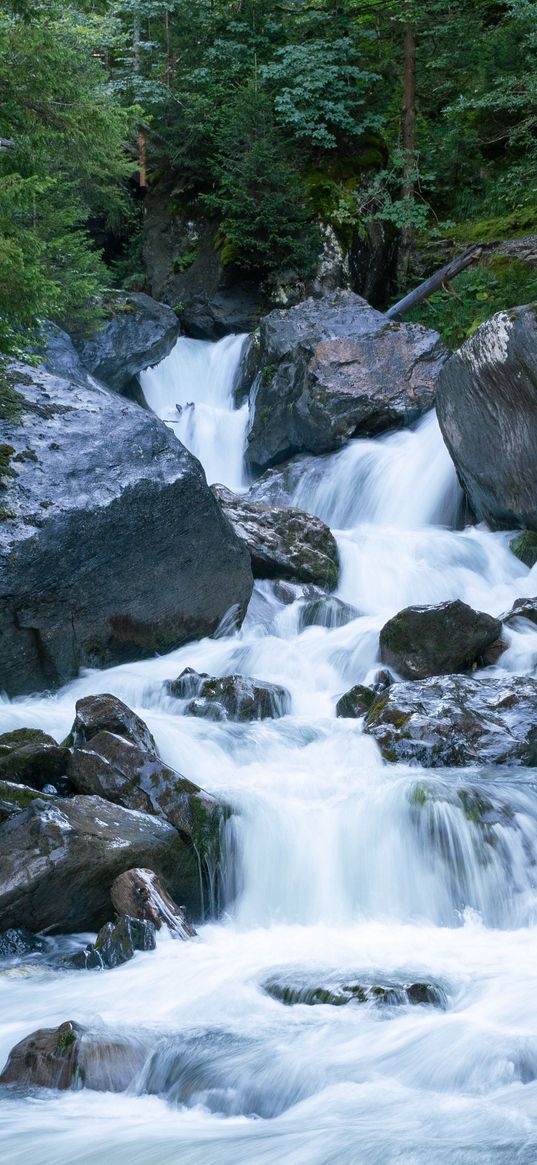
(338, 862)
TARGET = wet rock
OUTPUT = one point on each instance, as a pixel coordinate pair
(187, 684)
(334, 368)
(356, 702)
(283, 543)
(30, 757)
(58, 859)
(105, 713)
(524, 546)
(522, 609)
(70, 1056)
(15, 798)
(116, 943)
(487, 409)
(457, 720)
(339, 993)
(117, 549)
(327, 611)
(429, 641)
(136, 333)
(140, 894)
(17, 942)
(239, 698)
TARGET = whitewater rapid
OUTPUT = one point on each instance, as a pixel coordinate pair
(331, 865)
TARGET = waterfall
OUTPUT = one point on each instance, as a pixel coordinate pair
(345, 869)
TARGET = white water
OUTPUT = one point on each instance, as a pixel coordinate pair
(337, 869)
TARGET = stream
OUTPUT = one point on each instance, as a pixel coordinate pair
(332, 874)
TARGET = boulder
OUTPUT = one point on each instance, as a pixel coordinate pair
(106, 713)
(70, 1056)
(524, 546)
(116, 943)
(30, 757)
(140, 895)
(113, 547)
(456, 721)
(432, 641)
(522, 609)
(334, 368)
(58, 859)
(234, 697)
(283, 543)
(487, 409)
(136, 333)
(339, 992)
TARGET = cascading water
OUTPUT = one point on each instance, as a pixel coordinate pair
(343, 866)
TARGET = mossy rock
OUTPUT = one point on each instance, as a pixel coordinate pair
(524, 547)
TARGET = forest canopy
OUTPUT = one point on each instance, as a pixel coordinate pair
(271, 115)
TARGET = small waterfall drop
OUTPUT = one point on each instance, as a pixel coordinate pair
(192, 390)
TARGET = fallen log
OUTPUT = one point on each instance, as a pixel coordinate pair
(439, 279)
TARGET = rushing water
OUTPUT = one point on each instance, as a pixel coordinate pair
(339, 867)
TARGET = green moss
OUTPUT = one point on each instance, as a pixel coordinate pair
(268, 374)
(518, 223)
(11, 402)
(66, 1039)
(524, 546)
(184, 261)
(6, 515)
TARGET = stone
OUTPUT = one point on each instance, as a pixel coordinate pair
(116, 943)
(340, 992)
(59, 857)
(30, 757)
(106, 713)
(140, 895)
(239, 697)
(283, 543)
(326, 611)
(522, 609)
(356, 702)
(17, 943)
(437, 640)
(70, 1056)
(187, 684)
(524, 546)
(15, 798)
(487, 409)
(457, 721)
(334, 368)
(117, 548)
(136, 333)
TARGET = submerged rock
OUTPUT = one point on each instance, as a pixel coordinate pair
(70, 1056)
(487, 409)
(334, 368)
(30, 757)
(136, 333)
(457, 720)
(115, 548)
(17, 942)
(339, 993)
(430, 641)
(116, 943)
(140, 894)
(58, 859)
(234, 697)
(326, 611)
(524, 546)
(283, 543)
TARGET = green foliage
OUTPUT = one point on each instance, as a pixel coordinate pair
(493, 285)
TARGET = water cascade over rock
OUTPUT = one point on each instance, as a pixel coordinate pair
(400, 888)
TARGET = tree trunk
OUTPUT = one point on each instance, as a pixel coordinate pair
(408, 188)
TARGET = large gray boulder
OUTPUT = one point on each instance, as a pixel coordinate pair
(334, 368)
(59, 858)
(438, 640)
(457, 720)
(283, 542)
(112, 546)
(136, 333)
(487, 409)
